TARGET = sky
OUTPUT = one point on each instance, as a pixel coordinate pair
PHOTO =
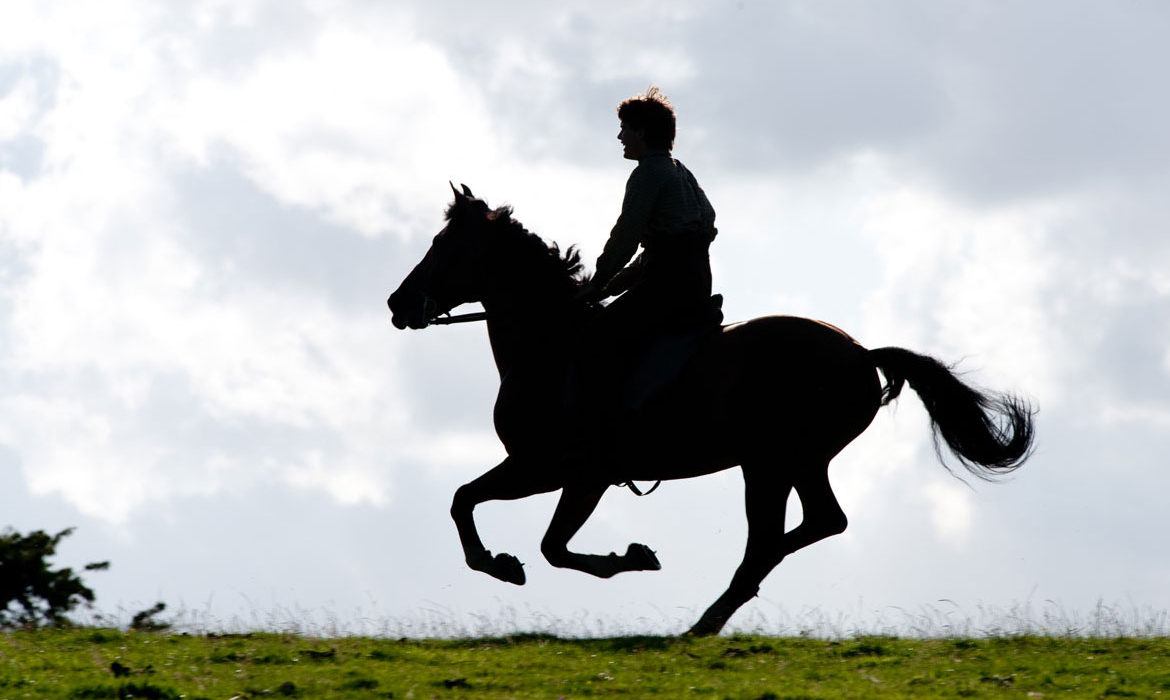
(204, 205)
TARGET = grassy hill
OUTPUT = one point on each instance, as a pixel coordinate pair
(100, 663)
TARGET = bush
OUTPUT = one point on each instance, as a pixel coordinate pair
(32, 594)
(144, 620)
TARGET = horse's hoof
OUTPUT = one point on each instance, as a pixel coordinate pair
(508, 568)
(642, 558)
(704, 628)
(502, 566)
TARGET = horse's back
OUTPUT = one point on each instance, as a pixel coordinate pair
(793, 330)
(758, 368)
(778, 345)
(769, 380)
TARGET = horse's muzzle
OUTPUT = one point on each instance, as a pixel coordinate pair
(424, 309)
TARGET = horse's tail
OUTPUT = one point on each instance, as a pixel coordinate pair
(990, 433)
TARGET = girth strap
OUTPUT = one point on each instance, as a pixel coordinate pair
(637, 491)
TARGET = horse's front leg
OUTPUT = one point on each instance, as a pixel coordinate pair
(511, 479)
(576, 505)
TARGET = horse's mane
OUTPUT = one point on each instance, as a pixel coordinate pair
(521, 245)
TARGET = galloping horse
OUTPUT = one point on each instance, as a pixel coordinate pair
(778, 396)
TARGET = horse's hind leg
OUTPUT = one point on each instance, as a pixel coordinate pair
(511, 479)
(766, 498)
(576, 505)
(766, 495)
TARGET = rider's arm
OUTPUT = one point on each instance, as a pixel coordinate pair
(641, 192)
(624, 279)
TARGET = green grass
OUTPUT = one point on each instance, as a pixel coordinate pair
(100, 663)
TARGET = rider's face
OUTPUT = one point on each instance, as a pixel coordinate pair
(633, 140)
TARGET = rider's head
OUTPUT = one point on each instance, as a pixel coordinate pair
(652, 114)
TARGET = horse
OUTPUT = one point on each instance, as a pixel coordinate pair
(777, 396)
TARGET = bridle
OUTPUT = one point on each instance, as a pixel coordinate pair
(433, 318)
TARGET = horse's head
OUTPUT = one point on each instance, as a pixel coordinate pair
(450, 273)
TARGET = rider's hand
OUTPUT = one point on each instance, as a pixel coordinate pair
(589, 293)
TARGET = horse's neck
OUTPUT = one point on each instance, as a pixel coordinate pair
(528, 334)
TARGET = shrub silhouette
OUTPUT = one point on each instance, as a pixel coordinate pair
(144, 620)
(31, 593)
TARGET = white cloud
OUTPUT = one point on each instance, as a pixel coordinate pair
(951, 510)
(112, 312)
(194, 231)
(17, 109)
(969, 284)
(360, 125)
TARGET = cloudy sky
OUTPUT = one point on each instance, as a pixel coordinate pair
(203, 206)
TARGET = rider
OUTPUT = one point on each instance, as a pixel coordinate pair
(668, 287)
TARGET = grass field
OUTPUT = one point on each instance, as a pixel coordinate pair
(101, 663)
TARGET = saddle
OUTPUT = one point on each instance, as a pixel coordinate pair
(664, 359)
(648, 369)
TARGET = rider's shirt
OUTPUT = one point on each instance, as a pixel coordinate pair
(663, 202)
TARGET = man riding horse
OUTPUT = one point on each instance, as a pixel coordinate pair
(778, 396)
(667, 288)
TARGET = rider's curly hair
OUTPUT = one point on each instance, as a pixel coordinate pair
(654, 114)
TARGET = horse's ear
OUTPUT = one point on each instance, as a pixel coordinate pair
(467, 191)
(458, 194)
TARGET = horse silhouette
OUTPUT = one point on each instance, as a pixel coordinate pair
(778, 396)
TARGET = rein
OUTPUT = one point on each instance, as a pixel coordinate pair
(461, 318)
